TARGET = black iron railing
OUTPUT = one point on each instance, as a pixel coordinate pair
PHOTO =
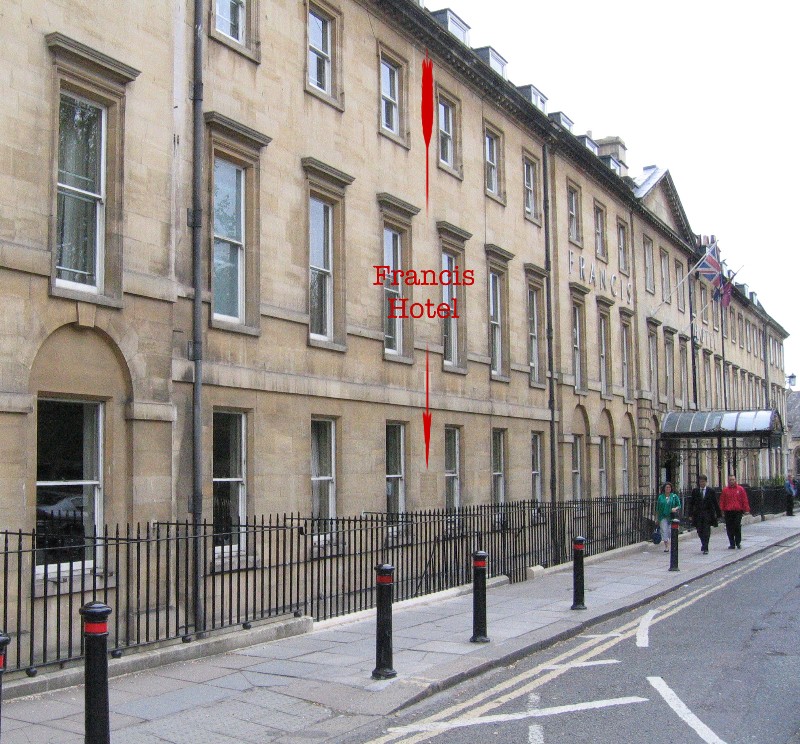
(275, 566)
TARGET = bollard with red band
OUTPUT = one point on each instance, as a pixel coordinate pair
(479, 597)
(578, 549)
(95, 634)
(4, 641)
(673, 545)
(384, 578)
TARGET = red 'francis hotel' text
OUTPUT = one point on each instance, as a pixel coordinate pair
(401, 307)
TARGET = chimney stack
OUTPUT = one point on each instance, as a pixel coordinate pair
(615, 147)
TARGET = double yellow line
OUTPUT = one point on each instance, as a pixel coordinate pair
(526, 682)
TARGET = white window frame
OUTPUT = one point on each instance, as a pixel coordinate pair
(530, 177)
(491, 156)
(321, 54)
(392, 257)
(622, 247)
(232, 241)
(241, 480)
(498, 456)
(600, 232)
(666, 289)
(602, 467)
(241, 11)
(390, 104)
(533, 333)
(704, 304)
(625, 470)
(577, 346)
(652, 356)
(450, 293)
(98, 198)
(400, 477)
(325, 272)
(669, 369)
(577, 467)
(573, 214)
(496, 321)
(684, 362)
(536, 466)
(707, 382)
(649, 269)
(680, 285)
(52, 570)
(604, 342)
(330, 478)
(452, 475)
(626, 361)
(446, 131)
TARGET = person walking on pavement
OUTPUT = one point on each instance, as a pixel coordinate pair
(791, 493)
(666, 508)
(734, 504)
(705, 511)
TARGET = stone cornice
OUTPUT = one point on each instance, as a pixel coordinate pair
(65, 49)
(236, 131)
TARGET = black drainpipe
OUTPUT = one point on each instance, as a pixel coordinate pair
(196, 223)
(551, 375)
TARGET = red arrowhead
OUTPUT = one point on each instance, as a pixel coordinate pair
(426, 423)
(426, 415)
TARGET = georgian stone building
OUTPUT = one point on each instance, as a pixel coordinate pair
(572, 330)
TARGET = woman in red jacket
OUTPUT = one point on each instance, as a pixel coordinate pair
(734, 504)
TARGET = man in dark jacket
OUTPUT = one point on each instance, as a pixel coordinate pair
(705, 511)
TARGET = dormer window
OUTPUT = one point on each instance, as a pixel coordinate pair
(560, 118)
(612, 163)
(493, 59)
(453, 24)
(535, 96)
(589, 143)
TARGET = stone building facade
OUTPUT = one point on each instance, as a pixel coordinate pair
(574, 330)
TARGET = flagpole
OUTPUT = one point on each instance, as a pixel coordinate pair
(685, 277)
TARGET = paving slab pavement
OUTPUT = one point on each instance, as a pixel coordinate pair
(318, 687)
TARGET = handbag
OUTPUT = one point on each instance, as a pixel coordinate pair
(656, 536)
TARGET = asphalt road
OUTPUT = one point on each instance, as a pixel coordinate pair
(716, 661)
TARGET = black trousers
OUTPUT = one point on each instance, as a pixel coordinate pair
(733, 526)
(703, 531)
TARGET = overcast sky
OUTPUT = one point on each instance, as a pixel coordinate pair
(704, 88)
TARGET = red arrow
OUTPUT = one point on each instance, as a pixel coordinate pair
(426, 416)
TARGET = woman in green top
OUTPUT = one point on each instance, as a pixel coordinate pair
(666, 508)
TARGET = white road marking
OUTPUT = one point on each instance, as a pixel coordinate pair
(535, 731)
(506, 717)
(525, 682)
(674, 702)
(642, 633)
(535, 734)
(578, 664)
(600, 635)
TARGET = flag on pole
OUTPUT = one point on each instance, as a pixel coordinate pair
(727, 291)
(709, 266)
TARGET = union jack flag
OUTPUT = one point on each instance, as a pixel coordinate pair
(710, 266)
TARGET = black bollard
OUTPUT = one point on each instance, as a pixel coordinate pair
(578, 547)
(4, 641)
(673, 545)
(95, 632)
(383, 639)
(479, 597)
(789, 505)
